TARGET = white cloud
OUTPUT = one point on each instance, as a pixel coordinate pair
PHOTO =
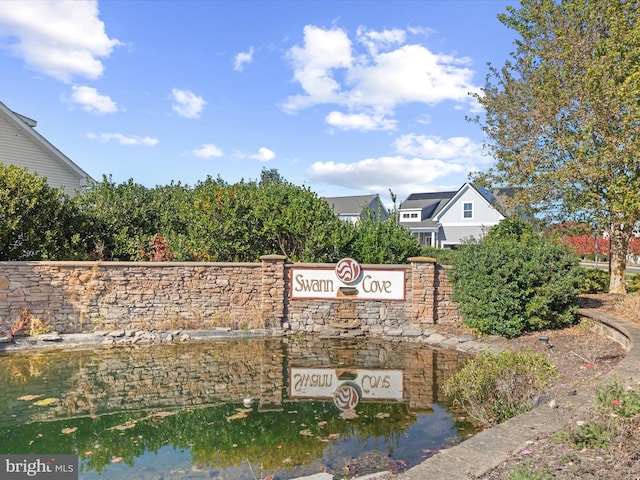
(187, 104)
(314, 63)
(123, 139)
(241, 59)
(422, 163)
(92, 101)
(399, 173)
(263, 155)
(60, 38)
(360, 121)
(411, 73)
(376, 41)
(208, 150)
(460, 149)
(387, 73)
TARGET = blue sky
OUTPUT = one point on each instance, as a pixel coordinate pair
(345, 97)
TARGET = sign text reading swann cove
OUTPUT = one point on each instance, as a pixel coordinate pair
(347, 280)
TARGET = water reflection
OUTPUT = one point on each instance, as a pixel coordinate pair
(283, 406)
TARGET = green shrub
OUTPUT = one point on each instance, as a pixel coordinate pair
(595, 281)
(37, 221)
(633, 283)
(514, 281)
(444, 256)
(493, 388)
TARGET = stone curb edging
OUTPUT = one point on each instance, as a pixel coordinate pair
(486, 450)
(430, 337)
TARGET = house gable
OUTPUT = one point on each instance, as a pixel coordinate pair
(469, 213)
(21, 145)
(469, 207)
(350, 208)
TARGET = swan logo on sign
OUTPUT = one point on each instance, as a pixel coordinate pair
(348, 271)
(347, 280)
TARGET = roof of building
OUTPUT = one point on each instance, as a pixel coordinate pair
(429, 203)
(350, 205)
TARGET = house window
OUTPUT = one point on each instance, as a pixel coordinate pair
(467, 210)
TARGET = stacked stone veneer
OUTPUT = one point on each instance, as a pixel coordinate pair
(90, 296)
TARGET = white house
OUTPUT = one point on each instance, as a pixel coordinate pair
(23, 146)
(352, 208)
(445, 219)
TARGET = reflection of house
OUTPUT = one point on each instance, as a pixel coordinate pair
(23, 146)
(445, 219)
(353, 208)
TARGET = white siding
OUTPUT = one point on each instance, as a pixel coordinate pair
(483, 213)
(18, 148)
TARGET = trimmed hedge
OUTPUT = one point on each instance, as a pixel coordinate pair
(514, 281)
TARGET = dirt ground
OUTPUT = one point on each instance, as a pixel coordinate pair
(582, 358)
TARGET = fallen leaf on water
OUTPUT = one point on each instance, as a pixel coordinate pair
(67, 431)
(46, 401)
(242, 413)
(124, 426)
(28, 398)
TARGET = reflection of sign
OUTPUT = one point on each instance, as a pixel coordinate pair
(346, 396)
(388, 284)
(323, 383)
(348, 271)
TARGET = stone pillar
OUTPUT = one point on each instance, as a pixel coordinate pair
(423, 276)
(273, 294)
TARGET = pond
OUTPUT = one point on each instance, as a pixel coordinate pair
(238, 409)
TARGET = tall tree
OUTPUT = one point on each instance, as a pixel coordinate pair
(563, 115)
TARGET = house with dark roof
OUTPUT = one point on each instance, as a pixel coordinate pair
(353, 208)
(446, 219)
(21, 145)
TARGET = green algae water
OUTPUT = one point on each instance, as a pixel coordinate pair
(238, 409)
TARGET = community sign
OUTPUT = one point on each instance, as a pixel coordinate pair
(347, 279)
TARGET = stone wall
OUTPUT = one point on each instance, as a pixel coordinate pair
(89, 296)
